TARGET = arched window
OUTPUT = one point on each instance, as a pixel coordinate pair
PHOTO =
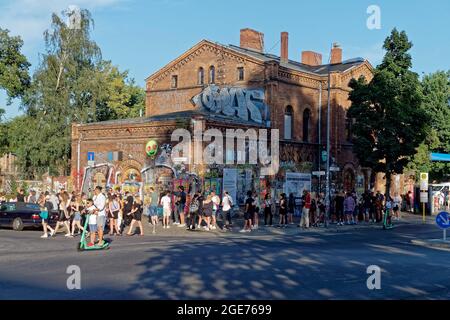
(288, 121)
(201, 76)
(212, 75)
(306, 118)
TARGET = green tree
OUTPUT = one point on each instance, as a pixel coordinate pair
(390, 121)
(14, 76)
(72, 84)
(436, 97)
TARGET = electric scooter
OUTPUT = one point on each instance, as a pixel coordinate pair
(387, 221)
(83, 244)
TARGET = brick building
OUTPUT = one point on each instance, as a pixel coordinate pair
(228, 86)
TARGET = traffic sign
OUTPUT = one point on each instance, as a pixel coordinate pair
(324, 156)
(424, 197)
(318, 173)
(334, 169)
(424, 181)
(443, 220)
(91, 156)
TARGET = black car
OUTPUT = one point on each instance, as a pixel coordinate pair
(19, 215)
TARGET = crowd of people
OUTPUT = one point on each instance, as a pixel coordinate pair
(121, 212)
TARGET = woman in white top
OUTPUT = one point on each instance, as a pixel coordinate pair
(227, 203)
(397, 206)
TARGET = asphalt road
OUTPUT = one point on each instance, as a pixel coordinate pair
(268, 264)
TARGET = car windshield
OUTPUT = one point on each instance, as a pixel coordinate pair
(436, 188)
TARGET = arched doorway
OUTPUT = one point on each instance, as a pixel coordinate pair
(349, 180)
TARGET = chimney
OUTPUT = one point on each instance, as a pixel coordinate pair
(311, 58)
(252, 39)
(336, 54)
(284, 47)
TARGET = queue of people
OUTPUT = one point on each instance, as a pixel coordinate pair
(119, 211)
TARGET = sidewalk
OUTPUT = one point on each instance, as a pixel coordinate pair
(175, 231)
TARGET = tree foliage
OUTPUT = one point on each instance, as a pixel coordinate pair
(72, 84)
(14, 76)
(436, 99)
(390, 121)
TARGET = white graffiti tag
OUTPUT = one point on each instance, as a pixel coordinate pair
(246, 104)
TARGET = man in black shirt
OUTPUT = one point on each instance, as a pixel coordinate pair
(21, 196)
(249, 212)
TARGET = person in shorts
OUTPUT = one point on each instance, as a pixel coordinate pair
(92, 212)
(249, 212)
(136, 213)
(100, 203)
(166, 203)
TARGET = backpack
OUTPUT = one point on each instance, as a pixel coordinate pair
(194, 206)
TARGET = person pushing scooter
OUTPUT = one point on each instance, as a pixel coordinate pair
(92, 212)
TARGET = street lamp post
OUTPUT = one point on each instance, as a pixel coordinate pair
(328, 200)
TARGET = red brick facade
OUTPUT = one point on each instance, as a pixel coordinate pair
(287, 86)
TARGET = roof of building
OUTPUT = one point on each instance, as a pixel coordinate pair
(295, 65)
(188, 114)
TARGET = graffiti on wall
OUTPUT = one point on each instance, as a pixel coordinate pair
(245, 104)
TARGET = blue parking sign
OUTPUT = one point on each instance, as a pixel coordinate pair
(90, 156)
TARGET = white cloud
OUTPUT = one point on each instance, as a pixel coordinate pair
(30, 18)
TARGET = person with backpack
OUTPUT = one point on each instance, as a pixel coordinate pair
(194, 206)
(268, 210)
(227, 204)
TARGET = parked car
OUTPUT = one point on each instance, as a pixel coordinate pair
(20, 215)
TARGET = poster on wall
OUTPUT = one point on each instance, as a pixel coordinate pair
(297, 182)
(229, 182)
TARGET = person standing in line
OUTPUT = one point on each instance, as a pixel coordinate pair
(268, 210)
(409, 201)
(397, 206)
(313, 218)
(208, 211)
(257, 207)
(194, 206)
(304, 221)
(249, 212)
(200, 210)
(216, 203)
(32, 197)
(100, 204)
(181, 199)
(166, 203)
(283, 210)
(291, 208)
(349, 207)
(136, 214)
(339, 208)
(227, 204)
(21, 195)
(114, 209)
(153, 208)
(75, 208)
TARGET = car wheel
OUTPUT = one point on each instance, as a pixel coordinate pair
(17, 224)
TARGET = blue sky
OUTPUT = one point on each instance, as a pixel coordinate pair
(142, 36)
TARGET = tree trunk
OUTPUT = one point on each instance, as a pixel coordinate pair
(388, 183)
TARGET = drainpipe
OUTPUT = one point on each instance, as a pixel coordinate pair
(78, 160)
